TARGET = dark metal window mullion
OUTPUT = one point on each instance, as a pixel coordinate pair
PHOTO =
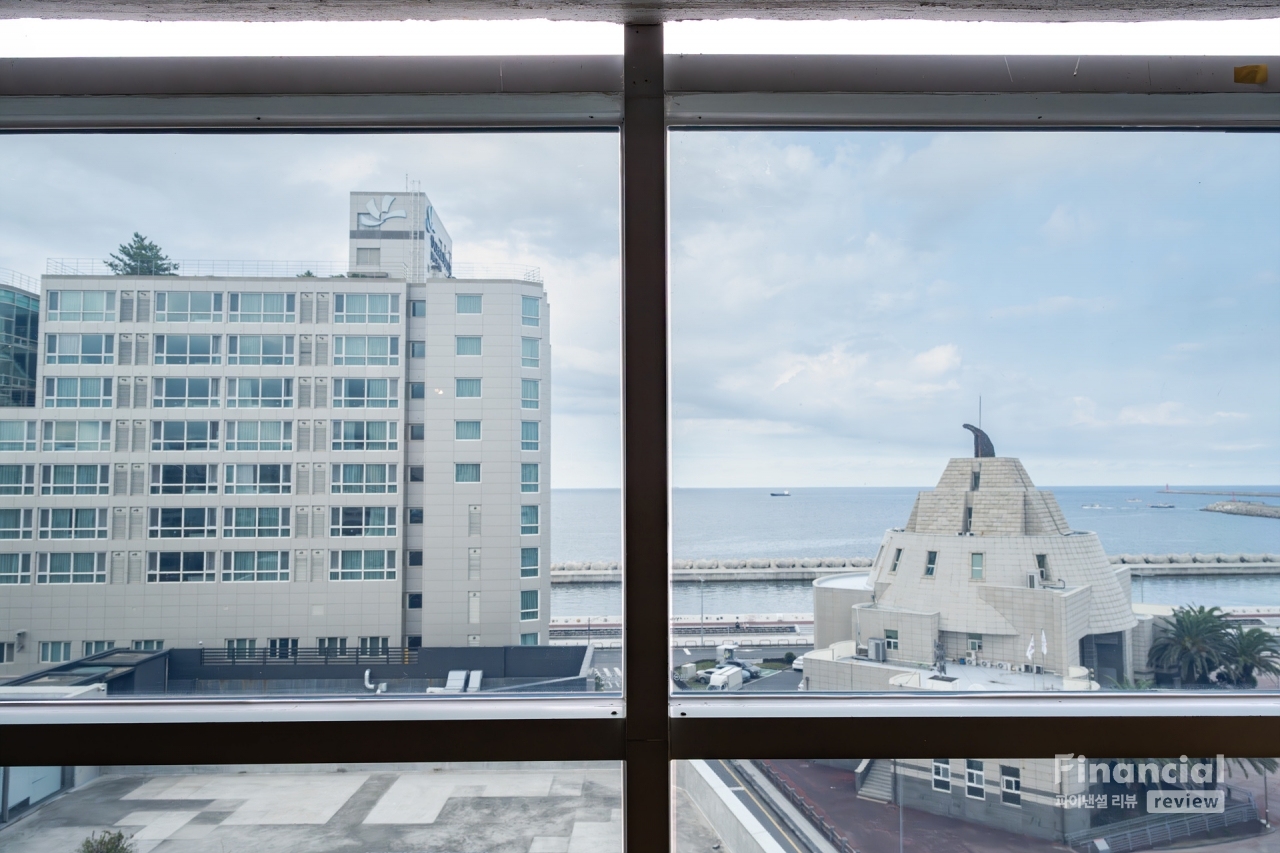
(646, 543)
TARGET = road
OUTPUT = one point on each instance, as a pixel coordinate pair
(759, 809)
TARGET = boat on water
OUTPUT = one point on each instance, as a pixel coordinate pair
(1092, 506)
(1133, 500)
(782, 494)
(1162, 506)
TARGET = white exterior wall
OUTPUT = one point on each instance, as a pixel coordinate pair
(446, 580)
(310, 605)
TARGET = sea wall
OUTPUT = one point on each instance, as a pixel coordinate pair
(755, 569)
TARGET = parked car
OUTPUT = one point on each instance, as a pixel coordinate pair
(726, 678)
(798, 664)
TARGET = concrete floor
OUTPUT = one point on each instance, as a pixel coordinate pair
(442, 810)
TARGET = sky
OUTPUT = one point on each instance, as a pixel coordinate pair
(841, 300)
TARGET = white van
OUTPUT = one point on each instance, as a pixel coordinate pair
(725, 678)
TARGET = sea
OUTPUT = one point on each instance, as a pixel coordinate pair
(850, 522)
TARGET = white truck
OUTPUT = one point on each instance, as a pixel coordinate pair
(725, 678)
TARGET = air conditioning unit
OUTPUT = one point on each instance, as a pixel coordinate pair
(876, 649)
(971, 658)
(985, 663)
(1031, 580)
(1026, 667)
(1002, 665)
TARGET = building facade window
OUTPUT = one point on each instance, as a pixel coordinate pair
(258, 435)
(890, 639)
(417, 473)
(529, 562)
(897, 556)
(415, 514)
(259, 393)
(466, 388)
(259, 479)
(182, 523)
(942, 774)
(362, 521)
(362, 565)
(366, 308)
(529, 310)
(18, 480)
(1010, 785)
(467, 345)
(417, 390)
(84, 567)
(261, 307)
(414, 601)
(180, 567)
(529, 478)
(96, 647)
(365, 435)
(375, 645)
(529, 355)
(974, 780)
(362, 350)
(183, 306)
(242, 648)
(189, 349)
(930, 563)
(529, 393)
(185, 392)
(528, 604)
(466, 430)
(247, 522)
(147, 645)
(415, 558)
(55, 652)
(529, 520)
(469, 303)
(76, 435)
(260, 349)
(332, 646)
(185, 435)
(417, 432)
(184, 479)
(1042, 566)
(72, 393)
(16, 524)
(417, 307)
(15, 569)
(67, 523)
(20, 436)
(81, 306)
(240, 566)
(79, 349)
(74, 479)
(354, 393)
(975, 566)
(529, 435)
(417, 349)
(363, 479)
(282, 648)
(466, 472)
(974, 642)
(529, 639)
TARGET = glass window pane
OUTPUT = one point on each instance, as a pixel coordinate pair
(929, 387)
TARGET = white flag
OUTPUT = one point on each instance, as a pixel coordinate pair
(1031, 648)
(1044, 643)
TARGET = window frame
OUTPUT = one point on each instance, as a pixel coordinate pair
(657, 92)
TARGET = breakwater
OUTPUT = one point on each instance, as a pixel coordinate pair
(761, 569)
(810, 568)
(1254, 508)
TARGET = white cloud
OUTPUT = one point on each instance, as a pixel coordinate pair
(1065, 225)
(1168, 413)
(941, 359)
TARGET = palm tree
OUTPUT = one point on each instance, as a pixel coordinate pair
(1194, 642)
(1250, 651)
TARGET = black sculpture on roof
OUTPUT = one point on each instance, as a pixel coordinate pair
(982, 446)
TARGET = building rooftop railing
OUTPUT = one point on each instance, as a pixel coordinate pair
(281, 269)
(13, 278)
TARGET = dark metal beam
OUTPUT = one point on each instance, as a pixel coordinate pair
(646, 542)
(313, 742)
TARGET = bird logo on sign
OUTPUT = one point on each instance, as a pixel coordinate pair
(379, 216)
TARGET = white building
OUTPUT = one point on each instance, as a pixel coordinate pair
(273, 463)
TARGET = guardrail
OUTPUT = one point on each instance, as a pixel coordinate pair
(1144, 833)
(307, 656)
(284, 269)
(13, 278)
(812, 811)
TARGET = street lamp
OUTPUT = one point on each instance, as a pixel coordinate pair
(702, 613)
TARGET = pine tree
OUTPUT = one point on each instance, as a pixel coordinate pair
(141, 257)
